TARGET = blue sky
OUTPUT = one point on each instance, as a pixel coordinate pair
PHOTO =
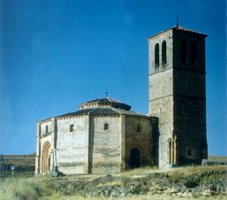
(56, 54)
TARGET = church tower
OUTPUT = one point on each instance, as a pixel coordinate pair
(177, 95)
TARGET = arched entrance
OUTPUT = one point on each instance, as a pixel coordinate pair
(134, 158)
(45, 160)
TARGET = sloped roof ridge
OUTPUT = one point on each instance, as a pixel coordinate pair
(112, 100)
(78, 112)
(100, 111)
(186, 29)
(177, 27)
(129, 112)
(114, 109)
(101, 99)
(92, 110)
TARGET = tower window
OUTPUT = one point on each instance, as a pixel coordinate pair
(106, 126)
(193, 52)
(189, 152)
(71, 128)
(189, 84)
(46, 128)
(183, 51)
(138, 128)
(157, 55)
(169, 141)
(164, 53)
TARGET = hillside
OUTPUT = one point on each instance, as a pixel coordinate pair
(24, 165)
(218, 158)
(205, 182)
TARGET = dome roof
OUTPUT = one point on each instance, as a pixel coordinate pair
(104, 102)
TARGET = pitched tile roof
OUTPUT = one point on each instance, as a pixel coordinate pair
(101, 111)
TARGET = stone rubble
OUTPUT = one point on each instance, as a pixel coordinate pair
(203, 184)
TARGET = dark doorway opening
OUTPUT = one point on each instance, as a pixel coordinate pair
(134, 158)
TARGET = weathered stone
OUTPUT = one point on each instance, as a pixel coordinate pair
(105, 137)
(177, 95)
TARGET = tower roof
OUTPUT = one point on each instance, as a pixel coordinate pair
(104, 107)
(104, 102)
(179, 28)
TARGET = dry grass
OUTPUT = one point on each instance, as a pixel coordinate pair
(218, 158)
(17, 189)
(143, 197)
(177, 173)
(138, 171)
(37, 188)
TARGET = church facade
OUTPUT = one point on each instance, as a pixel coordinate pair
(105, 136)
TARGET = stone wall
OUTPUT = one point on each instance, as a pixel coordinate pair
(190, 98)
(72, 153)
(138, 134)
(177, 96)
(161, 93)
(96, 144)
(189, 37)
(159, 39)
(105, 145)
(44, 137)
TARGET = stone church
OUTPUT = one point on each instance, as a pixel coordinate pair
(105, 136)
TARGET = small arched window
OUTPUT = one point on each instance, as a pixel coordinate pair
(184, 47)
(193, 52)
(189, 152)
(164, 59)
(157, 55)
(106, 126)
(138, 128)
(71, 128)
(46, 129)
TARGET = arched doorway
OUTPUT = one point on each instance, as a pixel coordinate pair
(45, 161)
(134, 158)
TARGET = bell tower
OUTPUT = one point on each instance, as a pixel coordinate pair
(177, 95)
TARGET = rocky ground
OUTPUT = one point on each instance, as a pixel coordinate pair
(203, 182)
(177, 183)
